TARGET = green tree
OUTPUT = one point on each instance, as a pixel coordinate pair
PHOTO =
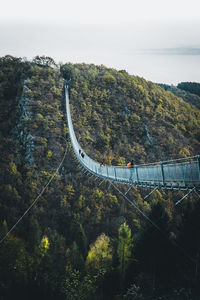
(100, 254)
(44, 246)
(67, 71)
(13, 267)
(3, 229)
(44, 61)
(80, 237)
(75, 257)
(125, 245)
(78, 286)
(153, 247)
(192, 87)
(34, 233)
(109, 79)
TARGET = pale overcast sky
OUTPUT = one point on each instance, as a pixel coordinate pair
(156, 39)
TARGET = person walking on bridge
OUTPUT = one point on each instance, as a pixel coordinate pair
(130, 164)
(102, 164)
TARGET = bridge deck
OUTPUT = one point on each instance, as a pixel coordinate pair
(177, 174)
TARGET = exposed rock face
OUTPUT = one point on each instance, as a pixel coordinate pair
(22, 128)
(149, 137)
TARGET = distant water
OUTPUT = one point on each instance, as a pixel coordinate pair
(160, 68)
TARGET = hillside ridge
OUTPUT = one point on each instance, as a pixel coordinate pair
(70, 245)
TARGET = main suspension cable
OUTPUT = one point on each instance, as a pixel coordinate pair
(40, 194)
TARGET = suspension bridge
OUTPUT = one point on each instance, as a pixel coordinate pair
(179, 174)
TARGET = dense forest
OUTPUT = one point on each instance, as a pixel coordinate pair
(81, 239)
(192, 87)
(187, 95)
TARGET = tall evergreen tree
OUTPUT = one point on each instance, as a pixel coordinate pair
(125, 245)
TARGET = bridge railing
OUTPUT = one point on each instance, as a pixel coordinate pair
(179, 173)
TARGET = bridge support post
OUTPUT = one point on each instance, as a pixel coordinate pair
(163, 175)
(198, 163)
(115, 173)
(107, 171)
(136, 171)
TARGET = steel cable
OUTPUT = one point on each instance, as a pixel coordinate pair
(40, 194)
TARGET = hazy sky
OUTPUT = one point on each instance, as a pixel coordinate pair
(156, 39)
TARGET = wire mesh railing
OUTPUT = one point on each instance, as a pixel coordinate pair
(181, 173)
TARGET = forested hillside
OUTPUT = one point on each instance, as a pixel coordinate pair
(187, 95)
(81, 240)
(192, 87)
(140, 119)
